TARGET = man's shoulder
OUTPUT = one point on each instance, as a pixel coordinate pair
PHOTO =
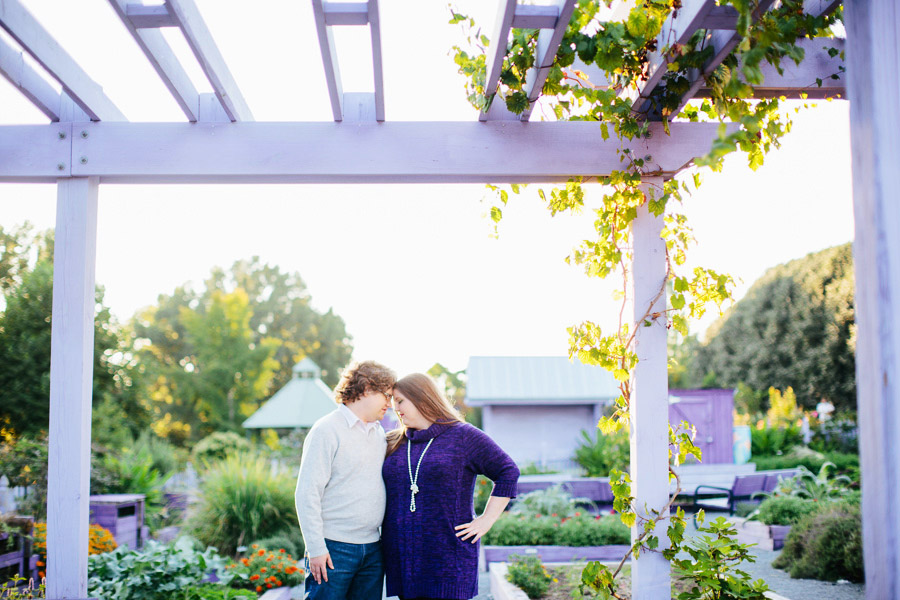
(327, 423)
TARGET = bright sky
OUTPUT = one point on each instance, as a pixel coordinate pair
(412, 269)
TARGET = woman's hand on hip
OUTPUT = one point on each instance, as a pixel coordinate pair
(474, 529)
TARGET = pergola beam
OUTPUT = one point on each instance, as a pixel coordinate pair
(346, 13)
(329, 60)
(28, 81)
(547, 45)
(144, 16)
(211, 61)
(157, 50)
(375, 34)
(531, 16)
(499, 42)
(38, 43)
(406, 152)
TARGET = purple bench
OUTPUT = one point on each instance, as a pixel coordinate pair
(746, 488)
(594, 489)
(554, 553)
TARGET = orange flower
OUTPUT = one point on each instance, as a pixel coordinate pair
(278, 583)
(255, 546)
(290, 570)
(577, 514)
(268, 585)
(261, 552)
(282, 550)
(254, 577)
(269, 559)
(41, 563)
(258, 588)
(262, 569)
(246, 562)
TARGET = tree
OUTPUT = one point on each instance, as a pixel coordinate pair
(794, 328)
(454, 384)
(26, 279)
(209, 358)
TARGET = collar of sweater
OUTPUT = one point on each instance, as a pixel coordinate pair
(423, 435)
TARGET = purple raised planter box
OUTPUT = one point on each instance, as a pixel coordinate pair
(555, 553)
(122, 515)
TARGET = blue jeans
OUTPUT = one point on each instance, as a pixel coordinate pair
(358, 573)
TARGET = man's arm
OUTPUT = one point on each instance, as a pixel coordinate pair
(315, 471)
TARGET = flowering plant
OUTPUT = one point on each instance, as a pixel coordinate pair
(265, 569)
(100, 540)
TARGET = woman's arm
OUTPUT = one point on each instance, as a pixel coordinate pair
(481, 525)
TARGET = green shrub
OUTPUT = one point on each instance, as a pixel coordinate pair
(825, 544)
(291, 541)
(745, 509)
(24, 462)
(785, 510)
(166, 457)
(483, 488)
(601, 454)
(218, 446)
(157, 572)
(585, 530)
(553, 500)
(534, 469)
(214, 591)
(131, 472)
(242, 500)
(845, 464)
(541, 530)
(774, 441)
(528, 573)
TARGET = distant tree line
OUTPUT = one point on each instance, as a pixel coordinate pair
(197, 361)
(794, 328)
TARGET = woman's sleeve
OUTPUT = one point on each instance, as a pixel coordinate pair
(489, 459)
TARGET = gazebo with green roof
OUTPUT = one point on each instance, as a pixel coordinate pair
(298, 404)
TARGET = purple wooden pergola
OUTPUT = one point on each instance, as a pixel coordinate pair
(88, 141)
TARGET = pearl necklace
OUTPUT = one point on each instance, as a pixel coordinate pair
(412, 480)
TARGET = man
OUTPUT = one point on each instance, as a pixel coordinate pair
(340, 494)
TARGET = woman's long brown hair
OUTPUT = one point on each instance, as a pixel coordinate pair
(423, 392)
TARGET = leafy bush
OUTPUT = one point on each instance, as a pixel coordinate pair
(774, 441)
(784, 510)
(214, 591)
(825, 544)
(165, 456)
(553, 500)
(602, 453)
(218, 446)
(534, 469)
(483, 488)
(132, 472)
(243, 500)
(24, 462)
(19, 589)
(157, 572)
(845, 464)
(839, 434)
(529, 574)
(100, 540)
(264, 569)
(712, 565)
(745, 509)
(543, 530)
(290, 541)
(821, 486)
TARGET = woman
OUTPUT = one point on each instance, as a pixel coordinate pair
(430, 532)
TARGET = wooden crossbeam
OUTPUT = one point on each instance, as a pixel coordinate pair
(211, 61)
(369, 152)
(377, 68)
(530, 16)
(498, 40)
(161, 56)
(346, 13)
(143, 16)
(547, 45)
(28, 81)
(329, 60)
(38, 43)
(796, 80)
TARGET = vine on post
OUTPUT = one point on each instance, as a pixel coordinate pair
(621, 50)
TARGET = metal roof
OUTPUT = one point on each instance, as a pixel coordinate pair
(536, 380)
(300, 403)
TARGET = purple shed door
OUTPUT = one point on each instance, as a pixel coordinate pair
(711, 412)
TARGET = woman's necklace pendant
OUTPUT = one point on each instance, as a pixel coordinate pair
(414, 488)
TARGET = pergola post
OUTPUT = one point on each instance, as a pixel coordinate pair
(873, 60)
(650, 573)
(71, 382)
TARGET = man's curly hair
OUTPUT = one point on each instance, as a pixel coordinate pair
(359, 378)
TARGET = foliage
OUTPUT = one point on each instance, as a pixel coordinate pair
(713, 565)
(581, 529)
(773, 441)
(553, 500)
(454, 387)
(264, 569)
(100, 540)
(603, 452)
(243, 500)
(483, 489)
(290, 541)
(213, 591)
(529, 574)
(132, 471)
(784, 510)
(155, 573)
(845, 464)
(535, 469)
(817, 487)
(622, 50)
(825, 544)
(838, 434)
(24, 462)
(217, 446)
(794, 328)
(19, 589)
(210, 357)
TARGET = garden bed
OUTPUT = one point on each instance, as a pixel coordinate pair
(554, 554)
(766, 537)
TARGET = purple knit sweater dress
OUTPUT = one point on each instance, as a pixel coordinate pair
(423, 558)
